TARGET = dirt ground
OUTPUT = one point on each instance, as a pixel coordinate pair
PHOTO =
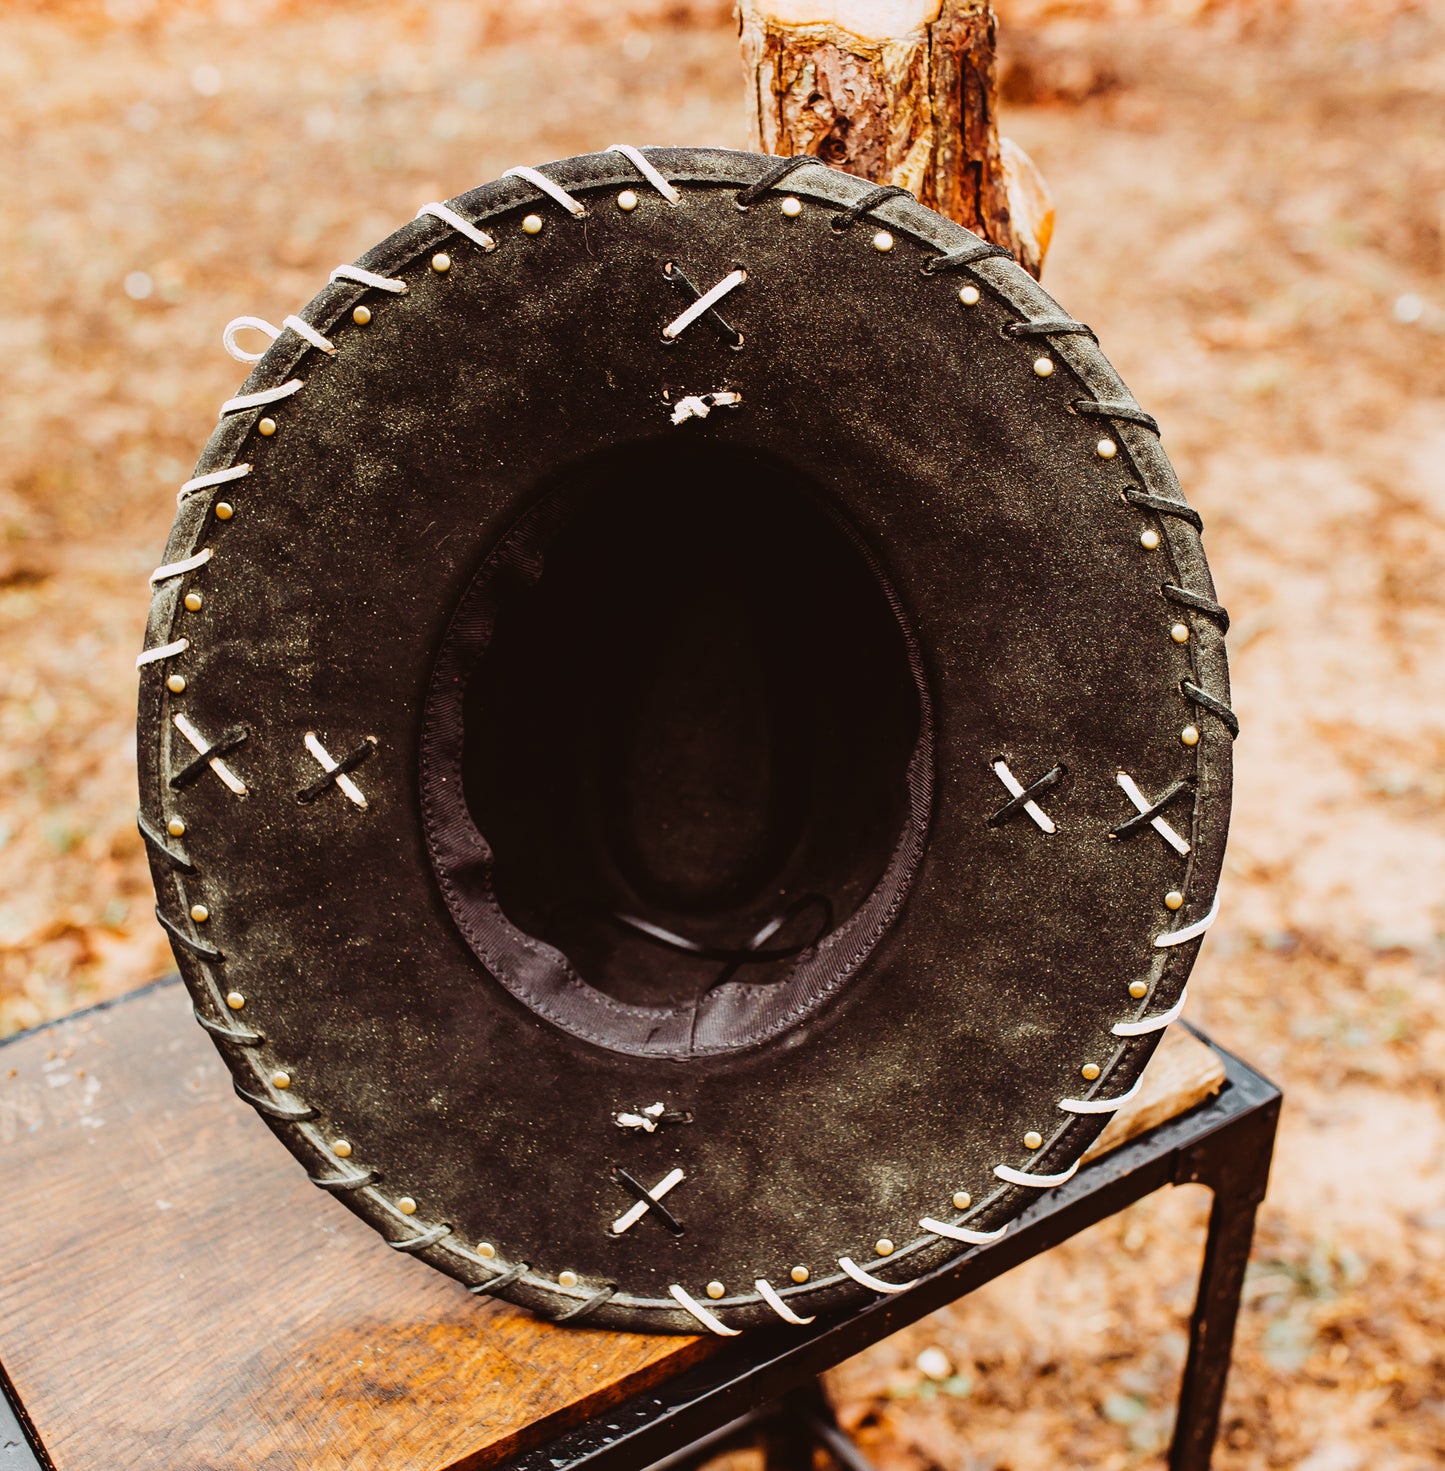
(1251, 206)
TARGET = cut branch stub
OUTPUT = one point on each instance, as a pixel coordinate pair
(898, 92)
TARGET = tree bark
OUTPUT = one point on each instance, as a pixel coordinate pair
(898, 92)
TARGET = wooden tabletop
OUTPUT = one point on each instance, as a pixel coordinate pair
(152, 1317)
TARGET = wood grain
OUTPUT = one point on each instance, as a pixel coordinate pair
(898, 93)
(1182, 1073)
(175, 1296)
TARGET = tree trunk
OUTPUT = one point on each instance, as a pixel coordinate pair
(898, 92)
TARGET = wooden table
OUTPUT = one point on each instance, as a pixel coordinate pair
(148, 1321)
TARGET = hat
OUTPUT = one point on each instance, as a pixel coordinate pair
(684, 739)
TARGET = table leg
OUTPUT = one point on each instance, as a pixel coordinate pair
(788, 1435)
(1234, 1163)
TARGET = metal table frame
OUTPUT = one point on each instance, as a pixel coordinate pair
(770, 1376)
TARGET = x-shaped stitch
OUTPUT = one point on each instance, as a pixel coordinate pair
(647, 1200)
(209, 754)
(703, 305)
(1022, 797)
(335, 771)
(1149, 812)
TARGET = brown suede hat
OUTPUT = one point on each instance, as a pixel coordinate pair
(684, 739)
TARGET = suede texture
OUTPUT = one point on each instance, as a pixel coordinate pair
(1032, 613)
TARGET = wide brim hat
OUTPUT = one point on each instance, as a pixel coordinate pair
(684, 739)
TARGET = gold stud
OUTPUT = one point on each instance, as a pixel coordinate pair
(1033, 1140)
(361, 316)
(792, 207)
(715, 1290)
(883, 1246)
(235, 1000)
(266, 427)
(1190, 735)
(224, 510)
(799, 1274)
(441, 263)
(281, 1080)
(1044, 367)
(1089, 1071)
(176, 683)
(962, 1200)
(406, 1205)
(883, 241)
(486, 1250)
(200, 913)
(341, 1148)
(532, 224)
(568, 1278)
(193, 602)
(1138, 989)
(1174, 899)
(627, 200)
(1149, 538)
(1180, 633)
(176, 828)
(969, 295)
(1106, 449)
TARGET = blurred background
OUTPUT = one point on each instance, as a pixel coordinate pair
(1251, 213)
